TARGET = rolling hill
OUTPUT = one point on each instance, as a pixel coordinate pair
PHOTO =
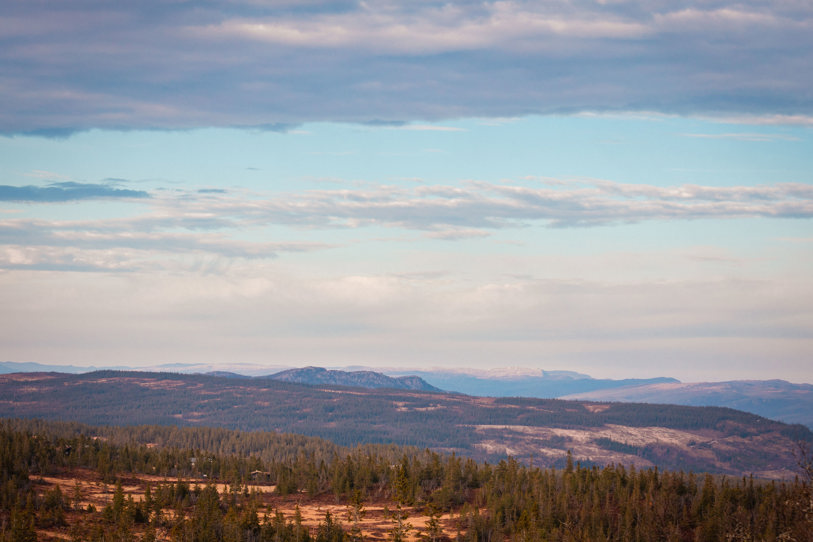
(711, 439)
(775, 399)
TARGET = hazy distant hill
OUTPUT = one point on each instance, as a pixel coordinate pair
(544, 384)
(7, 367)
(709, 439)
(236, 370)
(226, 374)
(356, 379)
(775, 399)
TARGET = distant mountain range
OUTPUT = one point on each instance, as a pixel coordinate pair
(314, 376)
(7, 367)
(774, 399)
(318, 376)
(241, 370)
(545, 384)
(542, 431)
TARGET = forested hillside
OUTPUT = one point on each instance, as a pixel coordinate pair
(200, 494)
(716, 440)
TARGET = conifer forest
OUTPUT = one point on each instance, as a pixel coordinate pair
(207, 484)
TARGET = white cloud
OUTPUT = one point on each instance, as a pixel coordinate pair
(767, 119)
(734, 17)
(456, 234)
(746, 136)
(430, 29)
(483, 205)
(218, 223)
(430, 128)
(137, 243)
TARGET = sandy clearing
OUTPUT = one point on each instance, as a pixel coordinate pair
(375, 525)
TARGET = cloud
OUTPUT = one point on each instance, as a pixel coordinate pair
(746, 136)
(219, 224)
(145, 242)
(478, 206)
(269, 65)
(767, 119)
(457, 234)
(66, 191)
(430, 128)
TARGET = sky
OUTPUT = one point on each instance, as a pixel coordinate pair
(620, 188)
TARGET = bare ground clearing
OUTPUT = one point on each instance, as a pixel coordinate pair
(88, 487)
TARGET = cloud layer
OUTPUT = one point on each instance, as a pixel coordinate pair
(78, 65)
(216, 223)
(688, 329)
(489, 206)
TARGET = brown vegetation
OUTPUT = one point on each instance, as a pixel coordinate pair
(85, 489)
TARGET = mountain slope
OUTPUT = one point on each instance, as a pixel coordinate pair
(318, 376)
(540, 430)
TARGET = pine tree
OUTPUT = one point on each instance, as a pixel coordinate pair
(355, 514)
(400, 526)
(330, 530)
(433, 527)
(22, 525)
